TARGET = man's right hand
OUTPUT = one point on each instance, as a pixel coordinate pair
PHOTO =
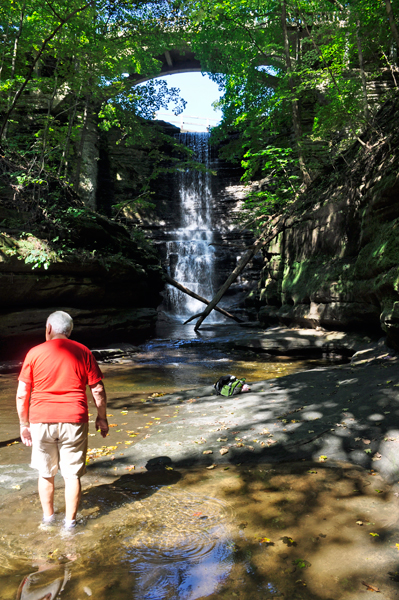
(26, 438)
(102, 425)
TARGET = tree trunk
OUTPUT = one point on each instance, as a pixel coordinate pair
(34, 63)
(181, 287)
(71, 120)
(295, 107)
(16, 42)
(362, 73)
(81, 144)
(5, 40)
(392, 23)
(47, 124)
(14, 57)
(263, 239)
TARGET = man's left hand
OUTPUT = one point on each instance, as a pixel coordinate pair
(25, 435)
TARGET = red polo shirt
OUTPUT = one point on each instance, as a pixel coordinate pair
(58, 372)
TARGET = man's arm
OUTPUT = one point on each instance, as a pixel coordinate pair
(100, 400)
(23, 395)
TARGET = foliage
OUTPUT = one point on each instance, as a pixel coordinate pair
(324, 78)
(296, 91)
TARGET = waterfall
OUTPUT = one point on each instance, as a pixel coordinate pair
(190, 256)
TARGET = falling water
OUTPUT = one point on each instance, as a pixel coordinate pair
(190, 255)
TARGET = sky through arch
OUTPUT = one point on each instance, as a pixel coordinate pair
(200, 92)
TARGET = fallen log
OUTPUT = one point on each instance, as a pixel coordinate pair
(265, 238)
(181, 287)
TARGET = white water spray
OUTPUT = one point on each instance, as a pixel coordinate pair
(191, 257)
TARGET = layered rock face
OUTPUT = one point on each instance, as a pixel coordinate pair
(336, 262)
(110, 286)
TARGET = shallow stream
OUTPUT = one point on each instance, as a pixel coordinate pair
(240, 531)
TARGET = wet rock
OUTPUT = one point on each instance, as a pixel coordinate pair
(22, 329)
(280, 341)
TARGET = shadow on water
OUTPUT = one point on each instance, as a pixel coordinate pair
(253, 531)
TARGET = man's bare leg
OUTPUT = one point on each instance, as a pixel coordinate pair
(46, 494)
(72, 497)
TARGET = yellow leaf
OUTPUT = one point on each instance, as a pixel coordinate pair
(374, 534)
(168, 468)
(322, 458)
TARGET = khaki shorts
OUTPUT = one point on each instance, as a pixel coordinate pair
(59, 446)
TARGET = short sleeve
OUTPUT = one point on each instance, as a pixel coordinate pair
(25, 374)
(94, 374)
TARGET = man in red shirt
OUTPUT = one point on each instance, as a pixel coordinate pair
(53, 411)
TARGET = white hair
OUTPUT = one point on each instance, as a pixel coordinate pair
(60, 322)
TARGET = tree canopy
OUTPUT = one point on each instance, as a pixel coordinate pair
(301, 80)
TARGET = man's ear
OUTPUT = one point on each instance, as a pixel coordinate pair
(49, 329)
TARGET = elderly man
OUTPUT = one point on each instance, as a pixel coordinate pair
(53, 412)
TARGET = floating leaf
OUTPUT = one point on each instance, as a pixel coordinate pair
(359, 523)
(301, 563)
(368, 451)
(322, 458)
(168, 468)
(113, 425)
(371, 588)
(366, 441)
(374, 534)
(211, 467)
(223, 450)
(315, 472)
(379, 491)
(289, 541)
(267, 541)
(222, 439)
(207, 452)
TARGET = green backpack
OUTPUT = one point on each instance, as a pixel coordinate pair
(228, 385)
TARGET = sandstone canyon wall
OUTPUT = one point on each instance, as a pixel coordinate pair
(336, 263)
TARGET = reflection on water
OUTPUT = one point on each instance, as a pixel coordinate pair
(167, 535)
(261, 531)
(45, 584)
(134, 540)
